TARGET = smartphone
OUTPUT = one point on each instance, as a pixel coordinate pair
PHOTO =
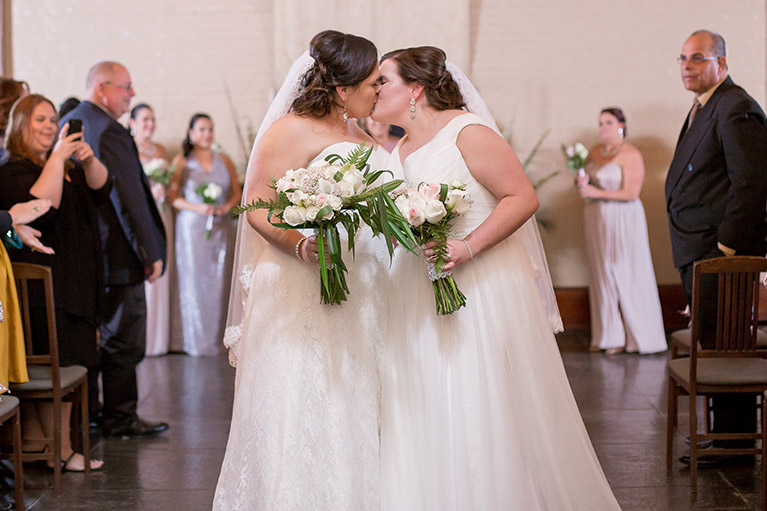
(75, 126)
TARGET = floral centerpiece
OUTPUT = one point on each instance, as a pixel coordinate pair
(331, 192)
(430, 209)
(210, 194)
(576, 155)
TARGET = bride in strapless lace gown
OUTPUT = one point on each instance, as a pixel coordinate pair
(304, 432)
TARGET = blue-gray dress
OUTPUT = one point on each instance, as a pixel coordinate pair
(203, 266)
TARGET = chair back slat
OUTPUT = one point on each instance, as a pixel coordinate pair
(24, 274)
(737, 301)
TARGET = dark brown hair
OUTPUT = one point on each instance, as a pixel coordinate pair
(187, 146)
(20, 119)
(425, 65)
(340, 60)
(10, 92)
(618, 114)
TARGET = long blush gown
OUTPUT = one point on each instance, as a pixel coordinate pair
(625, 308)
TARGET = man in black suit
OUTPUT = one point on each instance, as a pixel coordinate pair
(133, 243)
(716, 192)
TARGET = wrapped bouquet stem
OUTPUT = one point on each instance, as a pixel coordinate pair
(210, 194)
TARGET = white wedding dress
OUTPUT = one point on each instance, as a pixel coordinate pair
(477, 412)
(305, 424)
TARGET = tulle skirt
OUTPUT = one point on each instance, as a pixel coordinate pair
(477, 412)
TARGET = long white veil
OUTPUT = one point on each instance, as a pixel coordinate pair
(529, 230)
(250, 244)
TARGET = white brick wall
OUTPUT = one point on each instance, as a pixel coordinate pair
(548, 64)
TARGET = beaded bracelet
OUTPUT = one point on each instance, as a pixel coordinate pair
(298, 247)
(471, 254)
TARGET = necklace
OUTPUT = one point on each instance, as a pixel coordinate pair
(149, 152)
(612, 152)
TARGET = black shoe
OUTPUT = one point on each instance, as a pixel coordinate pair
(139, 428)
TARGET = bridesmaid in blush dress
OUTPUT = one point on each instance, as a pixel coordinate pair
(203, 259)
(625, 309)
(142, 126)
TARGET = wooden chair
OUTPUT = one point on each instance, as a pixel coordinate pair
(9, 410)
(735, 365)
(48, 381)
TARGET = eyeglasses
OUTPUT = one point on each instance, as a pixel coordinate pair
(126, 88)
(695, 58)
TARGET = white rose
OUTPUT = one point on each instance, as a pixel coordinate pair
(434, 212)
(335, 202)
(332, 170)
(581, 150)
(294, 215)
(327, 216)
(458, 201)
(570, 151)
(355, 178)
(284, 184)
(212, 191)
(344, 189)
(457, 184)
(402, 203)
(311, 213)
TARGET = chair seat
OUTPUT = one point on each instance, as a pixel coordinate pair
(683, 337)
(40, 379)
(8, 404)
(733, 371)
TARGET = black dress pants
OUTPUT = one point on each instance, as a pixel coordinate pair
(123, 342)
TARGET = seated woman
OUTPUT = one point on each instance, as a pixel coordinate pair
(41, 166)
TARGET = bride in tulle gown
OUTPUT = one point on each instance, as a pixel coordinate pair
(304, 431)
(477, 412)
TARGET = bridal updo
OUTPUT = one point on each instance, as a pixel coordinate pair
(340, 60)
(425, 65)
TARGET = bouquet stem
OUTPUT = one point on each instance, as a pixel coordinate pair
(448, 298)
(208, 226)
(333, 288)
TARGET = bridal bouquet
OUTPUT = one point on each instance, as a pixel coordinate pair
(430, 209)
(332, 192)
(210, 194)
(576, 155)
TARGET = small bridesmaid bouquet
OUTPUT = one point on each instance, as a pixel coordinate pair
(576, 156)
(430, 209)
(210, 194)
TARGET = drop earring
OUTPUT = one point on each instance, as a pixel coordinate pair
(412, 108)
(620, 132)
(345, 114)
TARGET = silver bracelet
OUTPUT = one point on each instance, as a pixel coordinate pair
(471, 254)
(298, 248)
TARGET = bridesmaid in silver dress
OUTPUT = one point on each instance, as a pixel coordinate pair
(623, 294)
(204, 239)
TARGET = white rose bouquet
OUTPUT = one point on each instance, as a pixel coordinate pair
(576, 155)
(210, 194)
(332, 192)
(158, 171)
(430, 209)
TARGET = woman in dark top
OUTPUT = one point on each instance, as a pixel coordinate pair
(41, 166)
